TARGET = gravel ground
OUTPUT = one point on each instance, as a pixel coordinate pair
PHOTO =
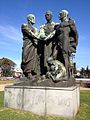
(2, 86)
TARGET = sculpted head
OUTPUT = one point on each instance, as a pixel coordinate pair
(63, 14)
(31, 18)
(48, 15)
(50, 60)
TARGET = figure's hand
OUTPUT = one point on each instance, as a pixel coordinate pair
(50, 35)
(32, 34)
(38, 38)
(46, 38)
(42, 36)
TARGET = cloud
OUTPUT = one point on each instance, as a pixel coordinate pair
(10, 39)
(10, 32)
(18, 62)
(3, 43)
(10, 42)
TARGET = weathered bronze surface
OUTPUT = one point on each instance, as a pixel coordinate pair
(47, 53)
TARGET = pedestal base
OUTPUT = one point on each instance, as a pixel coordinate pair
(44, 100)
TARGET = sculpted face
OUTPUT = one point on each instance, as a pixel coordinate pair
(31, 18)
(63, 14)
(50, 60)
(48, 15)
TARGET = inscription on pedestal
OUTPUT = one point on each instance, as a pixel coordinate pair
(64, 102)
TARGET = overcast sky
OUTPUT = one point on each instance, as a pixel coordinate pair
(13, 14)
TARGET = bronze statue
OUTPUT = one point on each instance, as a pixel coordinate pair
(46, 41)
(29, 49)
(47, 53)
(66, 40)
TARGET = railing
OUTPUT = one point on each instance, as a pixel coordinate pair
(82, 79)
(83, 82)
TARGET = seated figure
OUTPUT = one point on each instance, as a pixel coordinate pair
(56, 70)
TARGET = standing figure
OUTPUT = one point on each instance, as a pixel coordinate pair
(46, 42)
(29, 49)
(66, 40)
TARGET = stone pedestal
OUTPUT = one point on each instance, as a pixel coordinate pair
(44, 100)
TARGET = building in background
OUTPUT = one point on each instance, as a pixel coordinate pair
(17, 72)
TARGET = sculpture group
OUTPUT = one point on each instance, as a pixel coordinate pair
(47, 52)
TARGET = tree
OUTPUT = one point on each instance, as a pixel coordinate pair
(82, 72)
(87, 71)
(7, 66)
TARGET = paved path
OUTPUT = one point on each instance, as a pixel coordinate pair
(82, 88)
(2, 86)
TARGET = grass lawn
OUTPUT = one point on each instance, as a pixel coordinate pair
(11, 114)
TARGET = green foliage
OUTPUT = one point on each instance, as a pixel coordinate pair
(7, 71)
(85, 72)
(7, 66)
(11, 114)
(6, 62)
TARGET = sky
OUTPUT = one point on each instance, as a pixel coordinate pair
(13, 14)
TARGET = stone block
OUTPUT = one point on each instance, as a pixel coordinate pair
(40, 100)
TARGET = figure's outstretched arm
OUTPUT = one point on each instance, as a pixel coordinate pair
(50, 36)
(41, 33)
(27, 32)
